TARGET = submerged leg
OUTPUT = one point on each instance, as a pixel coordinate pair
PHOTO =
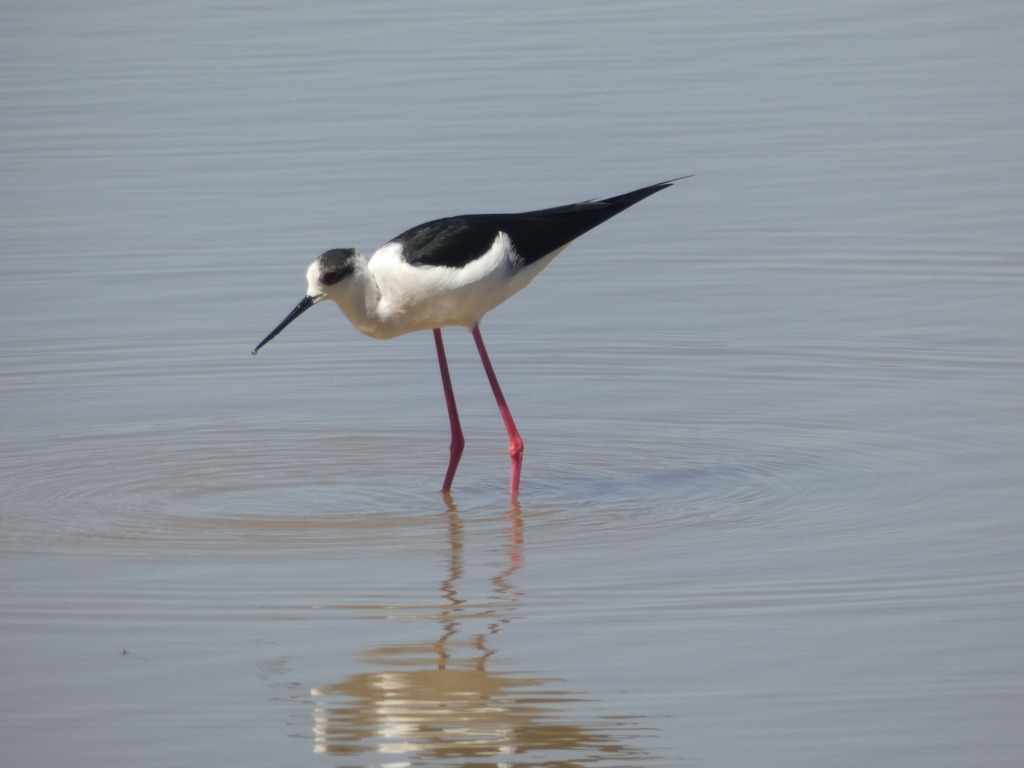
(458, 442)
(515, 442)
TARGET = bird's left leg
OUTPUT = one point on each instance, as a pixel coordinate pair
(458, 442)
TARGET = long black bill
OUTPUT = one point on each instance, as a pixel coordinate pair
(301, 307)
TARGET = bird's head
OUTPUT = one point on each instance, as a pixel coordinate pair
(329, 270)
(326, 278)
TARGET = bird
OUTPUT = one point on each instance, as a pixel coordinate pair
(451, 272)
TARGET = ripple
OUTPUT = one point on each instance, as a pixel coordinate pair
(728, 482)
(202, 484)
(207, 486)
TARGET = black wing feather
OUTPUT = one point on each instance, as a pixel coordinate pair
(458, 240)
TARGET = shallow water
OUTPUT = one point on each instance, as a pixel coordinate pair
(771, 499)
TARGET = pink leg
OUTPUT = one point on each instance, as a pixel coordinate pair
(458, 442)
(515, 442)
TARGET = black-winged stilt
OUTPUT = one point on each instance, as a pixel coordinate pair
(453, 271)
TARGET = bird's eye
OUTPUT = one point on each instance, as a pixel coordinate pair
(330, 278)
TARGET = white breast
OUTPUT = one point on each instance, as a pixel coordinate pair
(418, 298)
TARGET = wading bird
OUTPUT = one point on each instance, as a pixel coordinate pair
(453, 271)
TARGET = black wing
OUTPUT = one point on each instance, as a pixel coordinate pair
(458, 240)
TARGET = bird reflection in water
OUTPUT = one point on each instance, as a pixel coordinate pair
(438, 700)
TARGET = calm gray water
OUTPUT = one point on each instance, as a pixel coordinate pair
(771, 507)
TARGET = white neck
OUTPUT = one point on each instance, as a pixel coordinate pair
(359, 297)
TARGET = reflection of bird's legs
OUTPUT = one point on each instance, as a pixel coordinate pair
(449, 586)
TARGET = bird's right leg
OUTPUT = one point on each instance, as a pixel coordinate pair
(458, 442)
(515, 441)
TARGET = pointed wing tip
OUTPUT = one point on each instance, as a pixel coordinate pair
(670, 182)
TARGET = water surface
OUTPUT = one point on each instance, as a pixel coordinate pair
(771, 499)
